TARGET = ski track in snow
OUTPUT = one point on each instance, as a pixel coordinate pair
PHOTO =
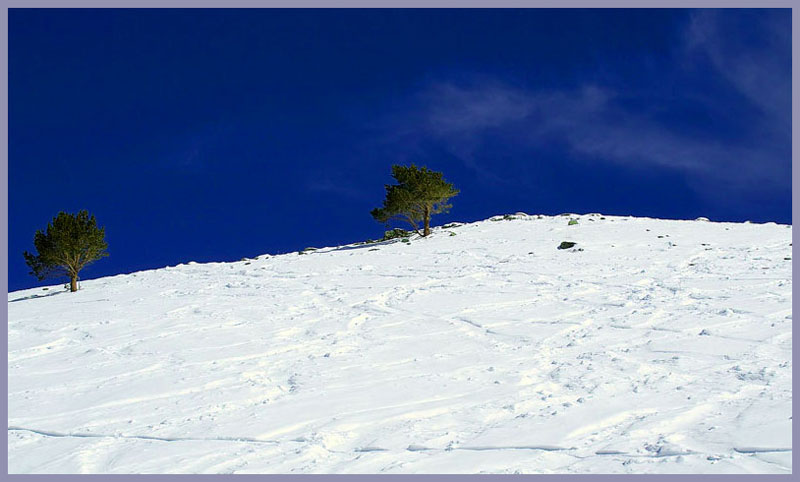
(662, 347)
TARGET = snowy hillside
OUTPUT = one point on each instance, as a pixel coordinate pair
(651, 346)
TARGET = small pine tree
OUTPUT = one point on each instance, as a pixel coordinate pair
(70, 242)
(418, 194)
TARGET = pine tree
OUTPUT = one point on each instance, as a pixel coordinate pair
(418, 194)
(70, 242)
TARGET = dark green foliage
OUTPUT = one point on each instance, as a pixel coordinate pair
(418, 194)
(572, 222)
(395, 233)
(566, 245)
(69, 243)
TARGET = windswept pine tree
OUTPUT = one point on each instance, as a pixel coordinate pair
(70, 243)
(418, 194)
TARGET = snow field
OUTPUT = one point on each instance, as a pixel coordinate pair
(661, 347)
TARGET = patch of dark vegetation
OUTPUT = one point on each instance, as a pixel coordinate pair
(504, 217)
(394, 234)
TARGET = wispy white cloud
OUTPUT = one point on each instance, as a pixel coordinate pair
(598, 123)
(761, 69)
(321, 183)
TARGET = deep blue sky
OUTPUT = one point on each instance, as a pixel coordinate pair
(211, 135)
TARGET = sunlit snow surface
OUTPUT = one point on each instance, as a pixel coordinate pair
(663, 346)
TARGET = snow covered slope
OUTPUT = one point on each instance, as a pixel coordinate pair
(662, 346)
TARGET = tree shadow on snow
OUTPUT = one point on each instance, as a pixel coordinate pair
(38, 296)
(362, 246)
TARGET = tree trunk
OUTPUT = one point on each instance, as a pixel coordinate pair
(427, 229)
(73, 283)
